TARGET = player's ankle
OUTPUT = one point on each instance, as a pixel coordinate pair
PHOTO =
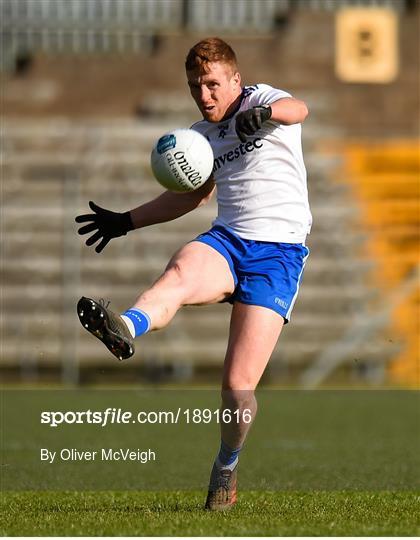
(227, 458)
(137, 321)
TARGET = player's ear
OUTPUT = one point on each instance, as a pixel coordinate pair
(237, 78)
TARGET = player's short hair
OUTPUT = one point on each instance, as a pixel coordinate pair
(210, 50)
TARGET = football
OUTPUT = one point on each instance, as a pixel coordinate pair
(182, 160)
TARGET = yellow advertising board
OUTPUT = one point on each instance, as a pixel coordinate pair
(366, 45)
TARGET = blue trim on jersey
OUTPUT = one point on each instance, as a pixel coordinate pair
(248, 90)
(266, 274)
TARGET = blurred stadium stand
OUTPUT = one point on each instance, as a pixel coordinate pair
(71, 133)
(122, 25)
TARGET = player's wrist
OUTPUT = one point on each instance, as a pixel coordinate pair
(127, 222)
(266, 111)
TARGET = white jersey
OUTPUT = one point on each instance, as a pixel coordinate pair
(261, 184)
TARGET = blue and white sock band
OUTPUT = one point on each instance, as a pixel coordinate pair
(139, 319)
(227, 457)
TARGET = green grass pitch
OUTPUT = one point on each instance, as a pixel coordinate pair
(181, 514)
(315, 464)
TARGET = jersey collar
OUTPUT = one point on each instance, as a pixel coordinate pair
(235, 110)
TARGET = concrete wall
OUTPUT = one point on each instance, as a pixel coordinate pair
(298, 57)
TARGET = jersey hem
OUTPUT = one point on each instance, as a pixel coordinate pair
(282, 238)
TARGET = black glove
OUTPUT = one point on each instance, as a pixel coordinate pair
(250, 121)
(107, 225)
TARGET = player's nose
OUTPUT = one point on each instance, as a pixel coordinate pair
(205, 95)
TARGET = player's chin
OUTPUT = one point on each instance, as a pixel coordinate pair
(211, 115)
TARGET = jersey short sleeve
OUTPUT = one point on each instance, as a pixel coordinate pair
(263, 93)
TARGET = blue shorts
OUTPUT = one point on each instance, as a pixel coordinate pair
(266, 274)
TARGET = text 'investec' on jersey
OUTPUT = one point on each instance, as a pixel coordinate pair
(237, 152)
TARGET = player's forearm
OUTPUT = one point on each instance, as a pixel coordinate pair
(169, 206)
(289, 111)
(166, 207)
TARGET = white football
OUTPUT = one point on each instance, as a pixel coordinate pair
(182, 160)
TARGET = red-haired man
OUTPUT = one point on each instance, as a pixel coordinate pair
(254, 254)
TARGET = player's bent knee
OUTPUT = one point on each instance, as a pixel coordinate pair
(174, 273)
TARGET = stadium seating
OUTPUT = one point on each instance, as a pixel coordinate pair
(384, 178)
(54, 168)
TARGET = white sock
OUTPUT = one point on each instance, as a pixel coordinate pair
(230, 467)
(130, 325)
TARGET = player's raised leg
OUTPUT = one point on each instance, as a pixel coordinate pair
(254, 332)
(196, 274)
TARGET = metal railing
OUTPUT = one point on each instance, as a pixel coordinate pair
(126, 25)
(91, 13)
(77, 26)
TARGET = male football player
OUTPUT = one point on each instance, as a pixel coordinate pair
(254, 254)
